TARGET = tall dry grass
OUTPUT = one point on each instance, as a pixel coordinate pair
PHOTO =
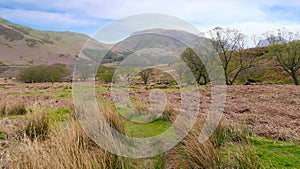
(38, 124)
(68, 147)
(15, 106)
(228, 131)
(198, 155)
(213, 153)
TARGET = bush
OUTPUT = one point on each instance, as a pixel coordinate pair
(44, 73)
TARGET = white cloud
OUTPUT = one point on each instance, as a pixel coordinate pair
(252, 17)
(44, 18)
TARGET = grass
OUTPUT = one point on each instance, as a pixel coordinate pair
(38, 125)
(64, 94)
(60, 114)
(227, 131)
(277, 154)
(12, 107)
(147, 129)
(2, 136)
(31, 94)
(68, 147)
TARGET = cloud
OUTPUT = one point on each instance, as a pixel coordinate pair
(62, 20)
(251, 17)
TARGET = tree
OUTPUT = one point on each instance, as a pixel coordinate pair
(44, 73)
(145, 75)
(127, 73)
(286, 49)
(196, 65)
(231, 45)
(105, 74)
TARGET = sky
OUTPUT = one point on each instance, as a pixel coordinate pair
(88, 16)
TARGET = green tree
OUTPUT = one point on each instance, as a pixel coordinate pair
(196, 65)
(105, 74)
(285, 47)
(44, 73)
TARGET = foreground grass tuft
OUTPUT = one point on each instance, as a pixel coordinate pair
(38, 125)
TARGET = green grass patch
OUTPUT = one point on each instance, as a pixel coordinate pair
(277, 154)
(13, 117)
(64, 94)
(60, 114)
(2, 136)
(141, 130)
(101, 88)
(32, 94)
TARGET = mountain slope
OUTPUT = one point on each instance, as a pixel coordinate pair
(24, 46)
(21, 45)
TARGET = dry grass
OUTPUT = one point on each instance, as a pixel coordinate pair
(68, 147)
(195, 154)
(15, 106)
(38, 124)
(229, 131)
(111, 116)
(170, 112)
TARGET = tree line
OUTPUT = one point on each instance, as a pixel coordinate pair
(236, 57)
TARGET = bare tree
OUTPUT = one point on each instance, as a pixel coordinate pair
(285, 46)
(127, 73)
(231, 45)
(145, 75)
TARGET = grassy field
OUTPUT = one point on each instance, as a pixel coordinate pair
(260, 129)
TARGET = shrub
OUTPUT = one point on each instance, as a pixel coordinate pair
(44, 73)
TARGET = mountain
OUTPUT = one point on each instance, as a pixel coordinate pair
(23, 46)
(269, 41)
(158, 46)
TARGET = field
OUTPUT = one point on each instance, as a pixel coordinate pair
(260, 129)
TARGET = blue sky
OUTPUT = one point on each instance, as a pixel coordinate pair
(87, 16)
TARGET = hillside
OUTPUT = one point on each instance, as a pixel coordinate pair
(23, 46)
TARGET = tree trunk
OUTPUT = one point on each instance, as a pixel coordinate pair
(294, 76)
